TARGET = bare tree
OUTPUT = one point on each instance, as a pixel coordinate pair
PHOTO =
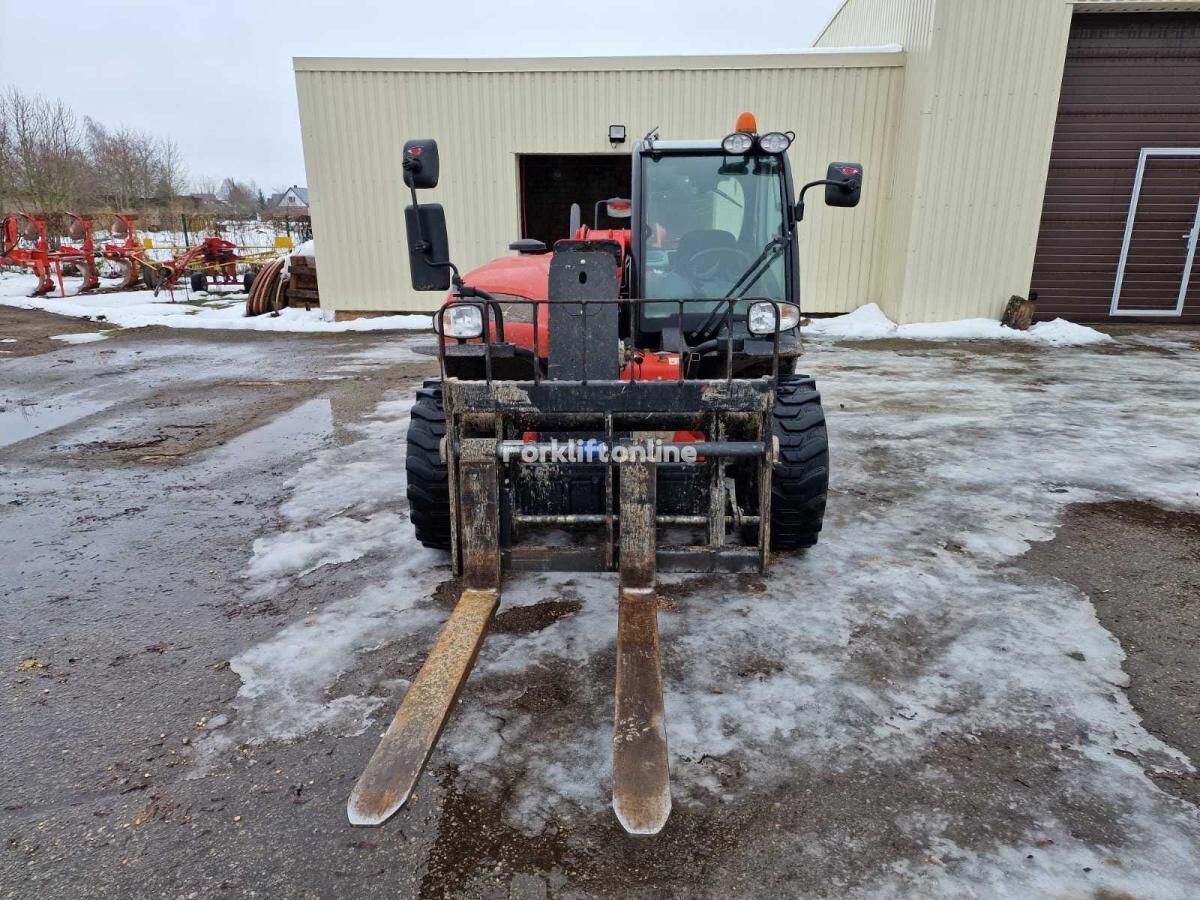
(206, 184)
(45, 162)
(6, 151)
(130, 166)
(51, 162)
(242, 197)
(172, 176)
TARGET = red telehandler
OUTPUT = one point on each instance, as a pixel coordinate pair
(634, 387)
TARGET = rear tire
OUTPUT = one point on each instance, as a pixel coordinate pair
(800, 483)
(428, 476)
(199, 282)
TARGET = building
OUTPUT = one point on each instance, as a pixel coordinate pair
(289, 204)
(1009, 147)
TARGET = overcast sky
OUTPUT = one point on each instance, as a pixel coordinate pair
(217, 76)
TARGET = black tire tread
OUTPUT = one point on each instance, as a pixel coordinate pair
(800, 484)
(428, 477)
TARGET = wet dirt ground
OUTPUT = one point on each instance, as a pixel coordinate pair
(29, 332)
(137, 474)
(1139, 564)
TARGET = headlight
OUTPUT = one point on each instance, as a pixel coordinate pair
(761, 319)
(738, 143)
(774, 142)
(462, 322)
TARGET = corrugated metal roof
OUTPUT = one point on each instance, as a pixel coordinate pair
(888, 54)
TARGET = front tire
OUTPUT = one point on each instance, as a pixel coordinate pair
(800, 481)
(428, 475)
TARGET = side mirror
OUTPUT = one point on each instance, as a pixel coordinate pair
(421, 163)
(428, 245)
(846, 189)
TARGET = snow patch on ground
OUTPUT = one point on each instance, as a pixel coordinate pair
(285, 681)
(138, 309)
(870, 323)
(86, 337)
(1064, 869)
(865, 323)
(346, 503)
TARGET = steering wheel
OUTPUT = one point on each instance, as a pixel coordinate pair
(711, 263)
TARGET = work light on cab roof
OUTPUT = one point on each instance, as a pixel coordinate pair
(745, 138)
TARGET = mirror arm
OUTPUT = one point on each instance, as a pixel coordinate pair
(812, 184)
(420, 245)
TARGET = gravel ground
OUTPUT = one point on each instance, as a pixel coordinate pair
(981, 683)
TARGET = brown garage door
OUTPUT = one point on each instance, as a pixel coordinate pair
(1130, 91)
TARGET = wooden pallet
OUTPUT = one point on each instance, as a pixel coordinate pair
(302, 290)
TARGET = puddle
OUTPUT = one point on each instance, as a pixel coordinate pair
(303, 429)
(387, 353)
(20, 421)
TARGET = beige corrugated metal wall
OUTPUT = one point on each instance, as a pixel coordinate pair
(973, 142)
(355, 115)
(910, 24)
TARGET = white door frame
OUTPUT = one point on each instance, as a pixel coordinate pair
(1192, 237)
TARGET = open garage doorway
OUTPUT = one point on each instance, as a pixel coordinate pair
(551, 183)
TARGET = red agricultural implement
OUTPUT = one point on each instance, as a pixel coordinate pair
(123, 255)
(214, 261)
(25, 241)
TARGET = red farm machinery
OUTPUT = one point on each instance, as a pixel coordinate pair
(213, 262)
(25, 241)
(635, 388)
(121, 261)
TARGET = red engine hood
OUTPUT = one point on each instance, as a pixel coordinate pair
(521, 276)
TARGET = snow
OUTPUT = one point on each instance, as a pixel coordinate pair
(870, 323)
(1061, 333)
(85, 337)
(346, 503)
(139, 309)
(866, 322)
(907, 624)
(308, 248)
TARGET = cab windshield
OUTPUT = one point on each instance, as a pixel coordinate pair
(708, 220)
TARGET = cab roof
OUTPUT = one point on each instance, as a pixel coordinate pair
(642, 147)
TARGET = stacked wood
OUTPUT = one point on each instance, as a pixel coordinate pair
(302, 288)
(1019, 312)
